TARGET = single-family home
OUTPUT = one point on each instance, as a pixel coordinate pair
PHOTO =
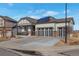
(26, 26)
(50, 26)
(46, 26)
(6, 26)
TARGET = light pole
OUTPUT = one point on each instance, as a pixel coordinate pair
(65, 22)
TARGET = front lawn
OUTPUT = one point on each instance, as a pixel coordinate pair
(70, 41)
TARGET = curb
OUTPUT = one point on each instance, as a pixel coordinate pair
(16, 52)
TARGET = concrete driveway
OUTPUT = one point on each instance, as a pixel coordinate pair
(44, 45)
(30, 43)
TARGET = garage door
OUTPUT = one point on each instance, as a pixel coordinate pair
(50, 31)
(45, 31)
(8, 33)
(61, 32)
(41, 32)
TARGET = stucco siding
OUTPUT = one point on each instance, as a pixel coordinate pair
(1, 22)
(44, 25)
(53, 25)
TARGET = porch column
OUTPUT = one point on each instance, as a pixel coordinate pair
(52, 32)
(17, 29)
(44, 31)
(62, 32)
(36, 32)
(29, 31)
(48, 31)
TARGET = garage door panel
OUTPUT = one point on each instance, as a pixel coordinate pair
(42, 32)
(50, 32)
(45, 31)
(8, 33)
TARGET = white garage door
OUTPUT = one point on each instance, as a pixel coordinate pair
(45, 31)
(8, 33)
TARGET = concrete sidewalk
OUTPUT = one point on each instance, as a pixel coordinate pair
(61, 51)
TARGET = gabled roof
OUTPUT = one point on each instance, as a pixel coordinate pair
(8, 19)
(50, 19)
(31, 20)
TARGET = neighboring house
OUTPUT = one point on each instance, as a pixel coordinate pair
(26, 26)
(6, 26)
(50, 26)
(47, 26)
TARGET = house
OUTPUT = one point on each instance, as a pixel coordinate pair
(46, 26)
(50, 26)
(26, 26)
(6, 26)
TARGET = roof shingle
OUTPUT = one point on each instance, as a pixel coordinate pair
(8, 19)
(50, 19)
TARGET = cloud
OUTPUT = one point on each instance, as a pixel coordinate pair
(69, 16)
(50, 13)
(42, 12)
(36, 17)
(67, 11)
(35, 12)
(17, 17)
(10, 4)
(20, 16)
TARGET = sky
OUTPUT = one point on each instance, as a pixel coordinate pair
(39, 10)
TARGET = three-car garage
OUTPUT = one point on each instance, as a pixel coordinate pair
(45, 31)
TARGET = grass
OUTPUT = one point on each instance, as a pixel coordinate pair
(73, 40)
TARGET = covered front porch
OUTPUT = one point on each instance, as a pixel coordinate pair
(26, 30)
